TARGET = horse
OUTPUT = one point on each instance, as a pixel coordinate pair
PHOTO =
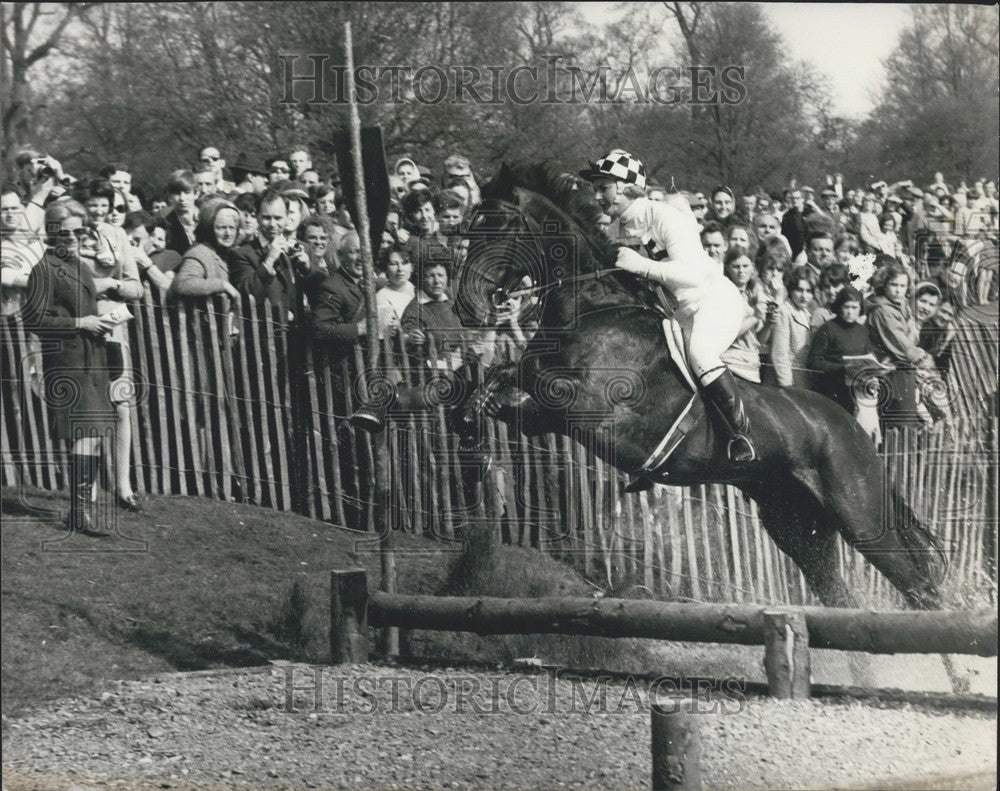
(599, 363)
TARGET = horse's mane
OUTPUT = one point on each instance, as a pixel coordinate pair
(577, 204)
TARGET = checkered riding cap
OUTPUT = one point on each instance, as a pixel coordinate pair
(619, 165)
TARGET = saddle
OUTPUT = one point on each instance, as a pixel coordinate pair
(685, 422)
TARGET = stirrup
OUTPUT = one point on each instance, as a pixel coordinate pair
(741, 450)
(368, 419)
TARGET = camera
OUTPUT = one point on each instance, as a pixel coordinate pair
(46, 172)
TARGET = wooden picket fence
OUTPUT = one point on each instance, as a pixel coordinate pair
(244, 408)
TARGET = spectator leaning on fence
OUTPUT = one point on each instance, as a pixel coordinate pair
(61, 309)
(137, 226)
(936, 332)
(936, 320)
(432, 333)
(894, 336)
(204, 270)
(262, 268)
(338, 302)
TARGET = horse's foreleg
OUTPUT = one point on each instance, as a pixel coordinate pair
(502, 397)
(793, 518)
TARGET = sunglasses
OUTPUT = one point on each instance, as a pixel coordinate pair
(210, 159)
(280, 170)
(79, 233)
(119, 207)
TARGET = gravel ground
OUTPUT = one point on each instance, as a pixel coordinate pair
(386, 727)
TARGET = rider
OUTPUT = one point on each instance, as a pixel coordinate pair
(709, 306)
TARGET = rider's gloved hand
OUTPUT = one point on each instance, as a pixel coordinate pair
(631, 261)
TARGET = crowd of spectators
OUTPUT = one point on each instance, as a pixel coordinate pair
(278, 229)
(866, 333)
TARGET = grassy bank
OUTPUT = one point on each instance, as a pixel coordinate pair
(193, 584)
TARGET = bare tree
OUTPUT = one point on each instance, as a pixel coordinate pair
(31, 32)
(939, 107)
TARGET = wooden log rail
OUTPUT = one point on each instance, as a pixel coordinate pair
(904, 632)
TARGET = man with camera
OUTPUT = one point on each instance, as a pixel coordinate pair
(271, 266)
(42, 179)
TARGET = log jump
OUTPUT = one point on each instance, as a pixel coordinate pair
(903, 632)
(786, 633)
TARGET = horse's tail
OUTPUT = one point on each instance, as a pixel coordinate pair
(926, 550)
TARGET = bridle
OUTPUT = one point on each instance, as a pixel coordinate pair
(518, 224)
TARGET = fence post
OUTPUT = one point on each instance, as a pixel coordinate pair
(676, 744)
(786, 653)
(348, 616)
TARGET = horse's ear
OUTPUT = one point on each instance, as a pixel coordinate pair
(504, 182)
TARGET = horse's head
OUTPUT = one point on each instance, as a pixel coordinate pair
(503, 257)
(521, 243)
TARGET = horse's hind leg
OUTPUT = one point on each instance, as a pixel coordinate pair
(792, 517)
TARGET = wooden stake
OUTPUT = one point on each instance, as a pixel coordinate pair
(390, 641)
(786, 653)
(348, 616)
(676, 745)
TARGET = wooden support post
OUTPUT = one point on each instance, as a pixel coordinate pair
(348, 616)
(786, 653)
(380, 461)
(676, 745)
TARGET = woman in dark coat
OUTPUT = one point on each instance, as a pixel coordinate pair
(61, 309)
(842, 336)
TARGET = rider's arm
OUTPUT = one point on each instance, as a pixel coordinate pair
(687, 264)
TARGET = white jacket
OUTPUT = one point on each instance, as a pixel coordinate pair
(673, 256)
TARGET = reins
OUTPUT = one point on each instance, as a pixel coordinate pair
(524, 292)
(540, 290)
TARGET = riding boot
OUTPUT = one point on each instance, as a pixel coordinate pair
(725, 396)
(83, 469)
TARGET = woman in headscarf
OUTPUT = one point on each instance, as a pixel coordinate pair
(204, 270)
(204, 273)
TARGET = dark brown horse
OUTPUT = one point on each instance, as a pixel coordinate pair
(599, 364)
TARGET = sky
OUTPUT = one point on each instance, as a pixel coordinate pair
(846, 42)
